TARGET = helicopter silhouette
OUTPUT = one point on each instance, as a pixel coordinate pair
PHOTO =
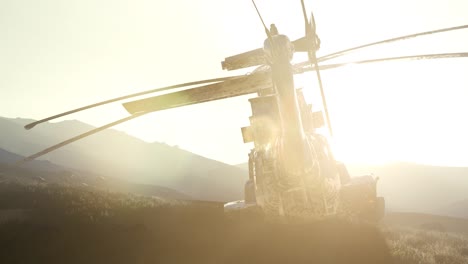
(292, 170)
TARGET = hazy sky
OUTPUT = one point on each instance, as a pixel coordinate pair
(57, 55)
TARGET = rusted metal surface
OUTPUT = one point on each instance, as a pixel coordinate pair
(256, 57)
(244, 60)
(231, 88)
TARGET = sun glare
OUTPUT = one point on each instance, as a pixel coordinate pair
(394, 112)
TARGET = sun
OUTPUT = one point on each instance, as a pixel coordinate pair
(388, 112)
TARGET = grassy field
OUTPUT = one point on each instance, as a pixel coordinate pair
(425, 238)
(409, 245)
(54, 224)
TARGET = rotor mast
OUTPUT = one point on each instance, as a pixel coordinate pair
(279, 52)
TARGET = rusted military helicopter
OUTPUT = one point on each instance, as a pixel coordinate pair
(291, 168)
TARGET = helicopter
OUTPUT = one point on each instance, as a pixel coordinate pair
(292, 170)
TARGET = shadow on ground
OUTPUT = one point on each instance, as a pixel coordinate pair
(69, 225)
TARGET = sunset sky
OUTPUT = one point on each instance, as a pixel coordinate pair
(58, 55)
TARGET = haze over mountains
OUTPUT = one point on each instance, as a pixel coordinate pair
(116, 154)
(45, 172)
(406, 187)
(421, 188)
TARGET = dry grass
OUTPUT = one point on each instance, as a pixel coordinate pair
(70, 225)
(414, 246)
(78, 225)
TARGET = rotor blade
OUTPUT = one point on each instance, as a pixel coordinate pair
(311, 48)
(241, 86)
(304, 44)
(388, 59)
(301, 45)
(73, 139)
(322, 92)
(243, 60)
(33, 124)
(312, 53)
(304, 14)
(256, 57)
(346, 51)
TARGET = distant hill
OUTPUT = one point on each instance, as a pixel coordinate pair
(244, 166)
(419, 188)
(456, 209)
(45, 172)
(406, 187)
(427, 221)
(7, 157)
(117, 154)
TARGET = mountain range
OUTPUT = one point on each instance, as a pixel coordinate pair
(45, 172)
(115, 154)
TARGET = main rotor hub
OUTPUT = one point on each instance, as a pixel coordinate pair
(277, 47)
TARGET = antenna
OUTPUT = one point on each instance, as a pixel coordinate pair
(261, 19)
(268, 33)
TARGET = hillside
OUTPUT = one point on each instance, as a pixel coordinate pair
(456, 209)
(7, 157)
(427, 222)
(47, 173)
(426, 238)
(73, 225)
(117, 154)
(406, 187)
(102, 227)
(418, 188)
